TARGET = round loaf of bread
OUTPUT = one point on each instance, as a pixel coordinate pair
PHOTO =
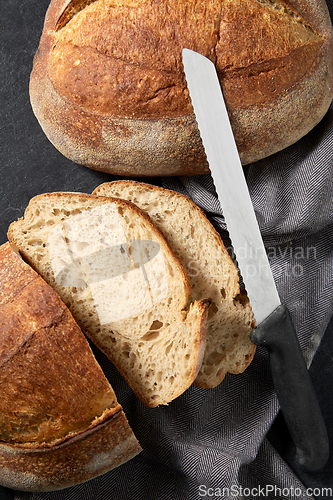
(109, 91)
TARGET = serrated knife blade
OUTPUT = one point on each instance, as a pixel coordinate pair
(274, 329)
(225, 165)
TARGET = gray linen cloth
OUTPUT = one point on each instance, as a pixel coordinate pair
(212, 443)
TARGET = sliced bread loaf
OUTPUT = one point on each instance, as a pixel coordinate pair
(123, 284)
(211, 272)
(61, 423)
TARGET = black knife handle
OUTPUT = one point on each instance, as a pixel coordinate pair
(294, 389)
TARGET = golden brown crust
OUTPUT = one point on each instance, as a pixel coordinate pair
(145, 78)
(272, 56)
(297, 88)
(53, 391)
(85, 456)
(42, 347)
(134, 80)
(123, 107)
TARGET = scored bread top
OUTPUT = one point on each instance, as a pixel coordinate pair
(123, 284)
(260, 49)
(52, 388)
(211, 273)
(109, 91)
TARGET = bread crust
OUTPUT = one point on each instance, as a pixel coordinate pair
(60, 421)
(82, 457)
(156, 134)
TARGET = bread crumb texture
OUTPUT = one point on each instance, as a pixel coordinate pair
(123, 285)
(129, 65)
(211, 272)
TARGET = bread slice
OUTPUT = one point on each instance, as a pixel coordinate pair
(123, 284)
(211, 272)
(60, 420)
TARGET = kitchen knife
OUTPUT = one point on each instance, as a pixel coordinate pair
(274, 328)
